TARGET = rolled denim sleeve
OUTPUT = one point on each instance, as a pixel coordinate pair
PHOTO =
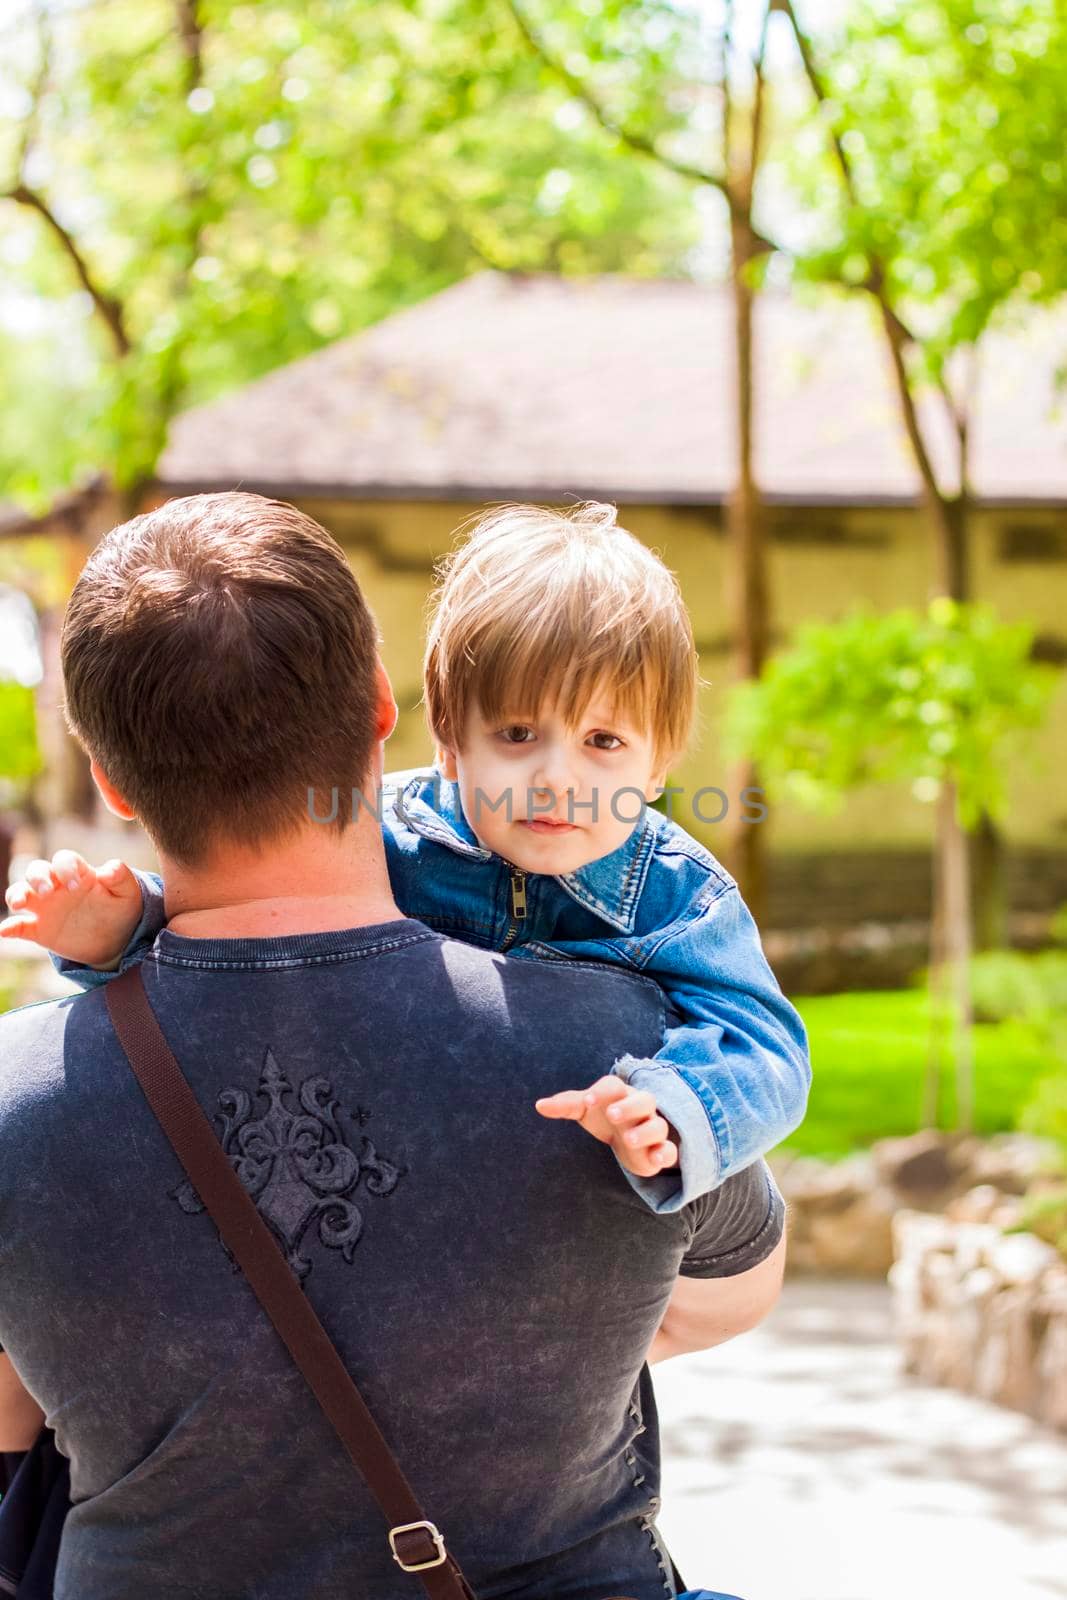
(733, 1076)
(143, 937)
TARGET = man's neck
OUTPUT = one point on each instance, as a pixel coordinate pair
(317, 882)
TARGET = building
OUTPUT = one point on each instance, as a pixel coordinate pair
(539, 388)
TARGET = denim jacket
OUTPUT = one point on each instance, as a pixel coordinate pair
(733, 1073)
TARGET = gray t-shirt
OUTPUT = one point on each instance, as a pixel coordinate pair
(490, 1279)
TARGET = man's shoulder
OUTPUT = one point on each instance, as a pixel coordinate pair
(27, 1030)
(32, 1044)
(34, 1018)
(535, 1005)
(539, 969)
(534, 981)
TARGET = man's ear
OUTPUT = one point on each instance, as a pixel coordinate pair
(110, 795)
(386, 711)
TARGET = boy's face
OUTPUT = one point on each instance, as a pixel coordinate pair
(549, 798)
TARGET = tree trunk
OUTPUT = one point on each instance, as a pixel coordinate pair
(987, 864)
(989, 875)
(747, 599)
(954, 868)
(939, 998)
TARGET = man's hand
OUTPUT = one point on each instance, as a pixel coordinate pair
(626, 1118)
(84, 913)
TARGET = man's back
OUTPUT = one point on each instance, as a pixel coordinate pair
(492, 1282)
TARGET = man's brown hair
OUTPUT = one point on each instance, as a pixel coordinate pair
(219, 662)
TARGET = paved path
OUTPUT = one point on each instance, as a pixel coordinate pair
(800, 1465)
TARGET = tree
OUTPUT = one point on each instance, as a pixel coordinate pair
(942, 123)
(204, 189)
(938, 701)
(652, 109)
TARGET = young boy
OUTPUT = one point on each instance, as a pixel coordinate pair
(560, 684)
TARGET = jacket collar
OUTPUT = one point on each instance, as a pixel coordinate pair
(430, 805)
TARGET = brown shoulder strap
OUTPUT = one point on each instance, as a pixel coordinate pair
(416, 1544)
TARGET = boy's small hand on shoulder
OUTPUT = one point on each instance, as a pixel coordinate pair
(626, 1118)
(84, 913)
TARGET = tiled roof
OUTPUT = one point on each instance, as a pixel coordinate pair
(616, 387)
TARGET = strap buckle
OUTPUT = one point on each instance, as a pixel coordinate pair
(418, 1566)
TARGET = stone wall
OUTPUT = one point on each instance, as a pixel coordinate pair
(841, 1213)
(981, 1310)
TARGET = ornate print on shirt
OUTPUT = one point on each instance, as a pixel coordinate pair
(298, 1166)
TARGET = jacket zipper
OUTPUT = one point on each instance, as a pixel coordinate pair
(518, 905)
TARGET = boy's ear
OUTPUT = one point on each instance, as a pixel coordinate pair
(656, 784)
(446, 760)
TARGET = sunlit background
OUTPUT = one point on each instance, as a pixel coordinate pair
(786, 284)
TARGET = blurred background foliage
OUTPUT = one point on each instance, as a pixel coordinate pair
(245, 190)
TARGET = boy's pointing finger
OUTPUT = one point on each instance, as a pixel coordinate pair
(568, 1103)
(605, 1090)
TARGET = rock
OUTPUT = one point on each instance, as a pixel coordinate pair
(1010, 1162)
(834, 1191)
(1050, 1405)
(858, 1241)
(1021, 1258)
(979, 1286)
(1007, 1215)
(915, 1232)
(976, 1205)
(921, 1166)
(840, 1215)
(1005, 1370)
(1016, 1310)
(974, 1242)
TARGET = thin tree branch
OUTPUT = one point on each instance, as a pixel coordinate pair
(190, 29)
(875, 282)
(899, 336)
(44, 67)
(191, 34)
(897, 345)
(758, 103)
(109, 309)
(726, 131)
(818, 89)
(627, 136)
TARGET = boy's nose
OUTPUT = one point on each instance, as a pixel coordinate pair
(552, 778)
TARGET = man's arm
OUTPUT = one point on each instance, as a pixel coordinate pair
(731, 1273)
(703, 1312)
(20, 1415)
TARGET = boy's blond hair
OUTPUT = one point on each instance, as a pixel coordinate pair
(539, 605)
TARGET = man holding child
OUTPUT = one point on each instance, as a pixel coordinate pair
(392, 1035)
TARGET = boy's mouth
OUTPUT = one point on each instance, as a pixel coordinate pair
(547, 825)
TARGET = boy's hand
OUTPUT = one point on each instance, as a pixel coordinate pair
(626, 1118)
(84, 913)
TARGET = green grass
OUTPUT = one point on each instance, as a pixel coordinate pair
(869, 1054)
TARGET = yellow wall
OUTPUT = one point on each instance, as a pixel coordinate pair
(392, 546)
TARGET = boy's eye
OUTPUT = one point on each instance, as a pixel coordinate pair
(613, 741)
(515, 733)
